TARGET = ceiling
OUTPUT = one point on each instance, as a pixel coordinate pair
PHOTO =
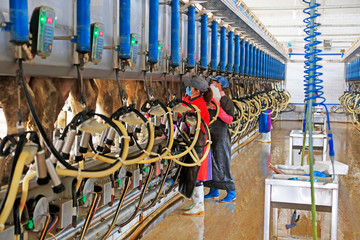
(340, 22)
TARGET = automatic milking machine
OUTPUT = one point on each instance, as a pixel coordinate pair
(123, 166)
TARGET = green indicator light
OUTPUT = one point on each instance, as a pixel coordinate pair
(30, 224)
(83, 198)
(119, 181)
(159, 47)
(132, 41)
(42, 20)
(145, 169)
(96, 33)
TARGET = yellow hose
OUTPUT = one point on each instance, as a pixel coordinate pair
(216, 114)
(193, 154)
(26, 155)
(25, 189)
(73, 173)
(168, 148)
(197, 132)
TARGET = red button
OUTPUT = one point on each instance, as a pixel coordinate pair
(49, 20)
(101, 33)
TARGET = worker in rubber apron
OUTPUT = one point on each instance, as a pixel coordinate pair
(221, 143)
(198, 94)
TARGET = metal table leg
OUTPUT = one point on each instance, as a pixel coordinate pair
(334, 214)
(267, 207)
(275, 218)
(324, 149)
(291, 151)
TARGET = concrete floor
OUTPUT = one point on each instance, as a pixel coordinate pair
(243, 219)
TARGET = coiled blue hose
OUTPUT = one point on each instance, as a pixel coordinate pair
(313, 91)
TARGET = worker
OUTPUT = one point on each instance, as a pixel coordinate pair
(192, 178)
(221, 144)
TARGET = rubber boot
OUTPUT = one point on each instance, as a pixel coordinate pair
(214, 193)
(231, 196)
(198, 199)
(266, 138)
(189, 207)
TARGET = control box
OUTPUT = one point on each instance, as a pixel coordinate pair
(42, 26)
(160, 55)
(134, 48)
(97, 42)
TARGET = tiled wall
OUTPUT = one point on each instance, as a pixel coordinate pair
(334, 81)
(334, 85)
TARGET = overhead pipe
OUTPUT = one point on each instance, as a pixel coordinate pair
(214, 45)
(237, 55)
(191, 38)
(203, 47)
(124, 33)
(230, 52)
(83, 26)
(19, 23)
(153, 31)
(222, 49)
(175, 30)
(242, 57)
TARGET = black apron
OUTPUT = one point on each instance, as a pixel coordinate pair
(221, 150)
(188, 175)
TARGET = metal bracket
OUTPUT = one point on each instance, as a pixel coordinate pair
(5, 26)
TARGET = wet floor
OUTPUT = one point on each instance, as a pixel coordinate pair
(243, 219)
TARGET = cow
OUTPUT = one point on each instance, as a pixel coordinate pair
(49, 96)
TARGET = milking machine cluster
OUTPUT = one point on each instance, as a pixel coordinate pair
(106, 173)
(350, 98)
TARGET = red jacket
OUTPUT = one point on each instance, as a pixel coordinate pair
(201, 104)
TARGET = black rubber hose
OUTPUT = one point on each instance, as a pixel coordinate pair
(46, 140)
(17, 220)
(141, 198)
(18, 150)
(119, 86)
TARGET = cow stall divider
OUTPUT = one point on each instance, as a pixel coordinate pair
(99, 161)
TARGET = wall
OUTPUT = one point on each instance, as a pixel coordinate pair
(334, 85)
